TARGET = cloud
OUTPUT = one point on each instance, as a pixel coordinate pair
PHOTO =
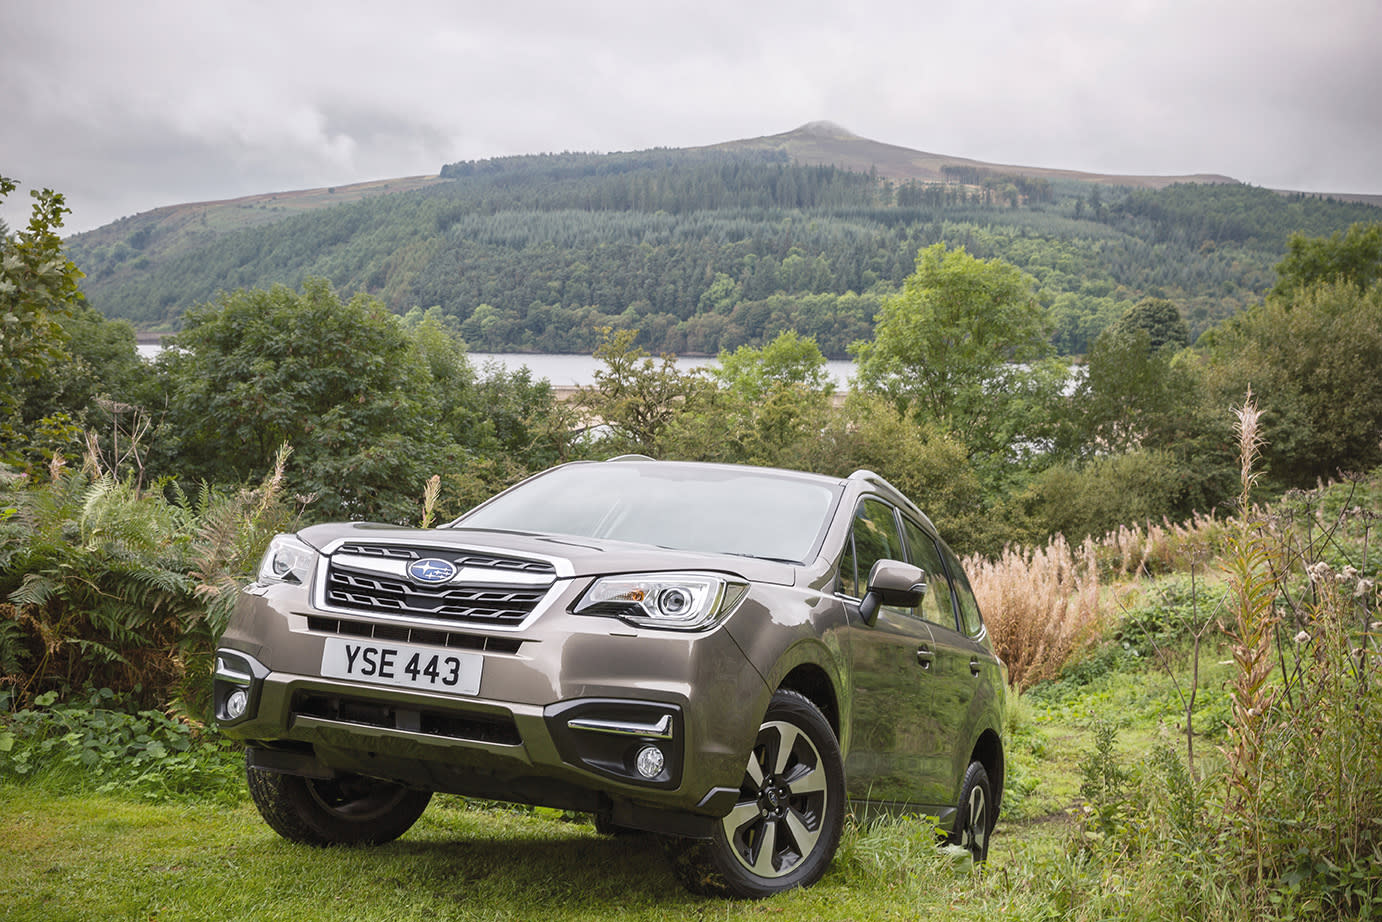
(124, 107)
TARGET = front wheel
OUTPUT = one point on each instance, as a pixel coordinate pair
(975, 818)
(346, 811)
(784, 829)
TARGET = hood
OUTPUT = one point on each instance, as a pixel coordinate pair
(584, 556)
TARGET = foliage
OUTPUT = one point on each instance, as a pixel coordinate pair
(38, 289)
(1041, 606)
(953, 350)
(104, 745)
(1290, 825)
(372, 404)
(636, 397)
(1353, 256)
(768, 407)
(705, 251)
(1311, 359)
(106, 585)
(1096, 497)
(928, 464)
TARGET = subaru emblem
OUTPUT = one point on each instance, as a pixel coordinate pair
(431, 570)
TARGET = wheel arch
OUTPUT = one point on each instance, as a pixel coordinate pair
(988, 751)
(812, 682)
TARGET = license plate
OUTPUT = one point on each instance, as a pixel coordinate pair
(403, 665)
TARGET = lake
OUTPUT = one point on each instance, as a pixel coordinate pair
(577, 370)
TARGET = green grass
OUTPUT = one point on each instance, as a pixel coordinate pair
(101, 857)
(68, 851)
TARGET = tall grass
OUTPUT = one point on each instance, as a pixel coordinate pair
(1288, 824)
(1041, 606)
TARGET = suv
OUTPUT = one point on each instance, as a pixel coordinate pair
(724, 655)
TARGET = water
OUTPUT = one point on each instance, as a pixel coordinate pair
(576, 370)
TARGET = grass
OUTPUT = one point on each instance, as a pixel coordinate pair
(101, 857)
(66, 855)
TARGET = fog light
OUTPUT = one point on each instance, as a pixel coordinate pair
(649, 762)
(236, 702)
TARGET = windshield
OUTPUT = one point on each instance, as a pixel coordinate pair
(722, 510)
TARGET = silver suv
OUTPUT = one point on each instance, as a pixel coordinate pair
(727, 656)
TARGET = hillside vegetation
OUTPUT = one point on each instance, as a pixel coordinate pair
(710, 249)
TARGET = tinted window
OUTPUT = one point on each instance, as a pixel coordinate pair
(936, 605)
(970, 620)
(875, 539)
(721, 510)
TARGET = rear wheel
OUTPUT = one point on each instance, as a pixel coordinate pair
(784, 829)
(975, 818)
(345, 811)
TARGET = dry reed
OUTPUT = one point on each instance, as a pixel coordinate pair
(1041, 606)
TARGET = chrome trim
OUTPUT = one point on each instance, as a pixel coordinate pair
(320, 604)
(560, 564)
(662, 730)
(227, 674)
(468, 575)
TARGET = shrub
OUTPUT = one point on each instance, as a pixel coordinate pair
(101, 744)
(1041, 606)
(108, 585)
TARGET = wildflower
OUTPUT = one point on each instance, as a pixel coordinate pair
(1364, 588)
(1318, 571)
(1302, 637)
(1349, 574)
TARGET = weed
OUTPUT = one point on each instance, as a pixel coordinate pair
(103, 746)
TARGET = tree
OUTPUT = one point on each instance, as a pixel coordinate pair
(1130, 395)
(342, 382)
(1354, 257)
(1312, 360)
(635, 396)
(1159, 319)
(771, 404)
(788, 361)
(38, 288)
(961, 347)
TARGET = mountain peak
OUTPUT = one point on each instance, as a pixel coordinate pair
(825, 129)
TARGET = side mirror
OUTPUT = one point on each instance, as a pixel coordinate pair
(892, 582)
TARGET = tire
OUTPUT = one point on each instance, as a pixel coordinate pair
(975, 818)
(346, 811)
(784, 829)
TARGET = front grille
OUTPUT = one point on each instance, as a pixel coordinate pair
(481, 728)
(402, 634)
(500, 591)
(461, 558)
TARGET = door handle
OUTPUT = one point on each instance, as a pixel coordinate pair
(974, 667)
(925, 656)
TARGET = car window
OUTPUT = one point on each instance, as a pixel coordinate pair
(936, 606)
(723, 510)
(971, 622)
(875, 538)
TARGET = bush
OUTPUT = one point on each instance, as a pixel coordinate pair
(103, 746)
(1041, 606)
(108, 585)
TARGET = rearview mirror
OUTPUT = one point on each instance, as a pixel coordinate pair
(892, 582)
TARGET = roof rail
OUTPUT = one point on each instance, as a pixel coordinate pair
(631, 457)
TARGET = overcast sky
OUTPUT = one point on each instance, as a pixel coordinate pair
(126, 106)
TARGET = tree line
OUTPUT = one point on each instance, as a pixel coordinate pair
(700, 250)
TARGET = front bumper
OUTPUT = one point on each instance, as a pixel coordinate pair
(564, 710)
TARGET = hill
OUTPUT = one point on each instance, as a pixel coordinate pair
(829, 144)
(710, 248)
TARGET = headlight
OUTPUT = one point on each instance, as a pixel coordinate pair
(678, 601)
(288, 560)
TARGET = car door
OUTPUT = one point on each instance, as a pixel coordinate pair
(893, 727)
(956, 670)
